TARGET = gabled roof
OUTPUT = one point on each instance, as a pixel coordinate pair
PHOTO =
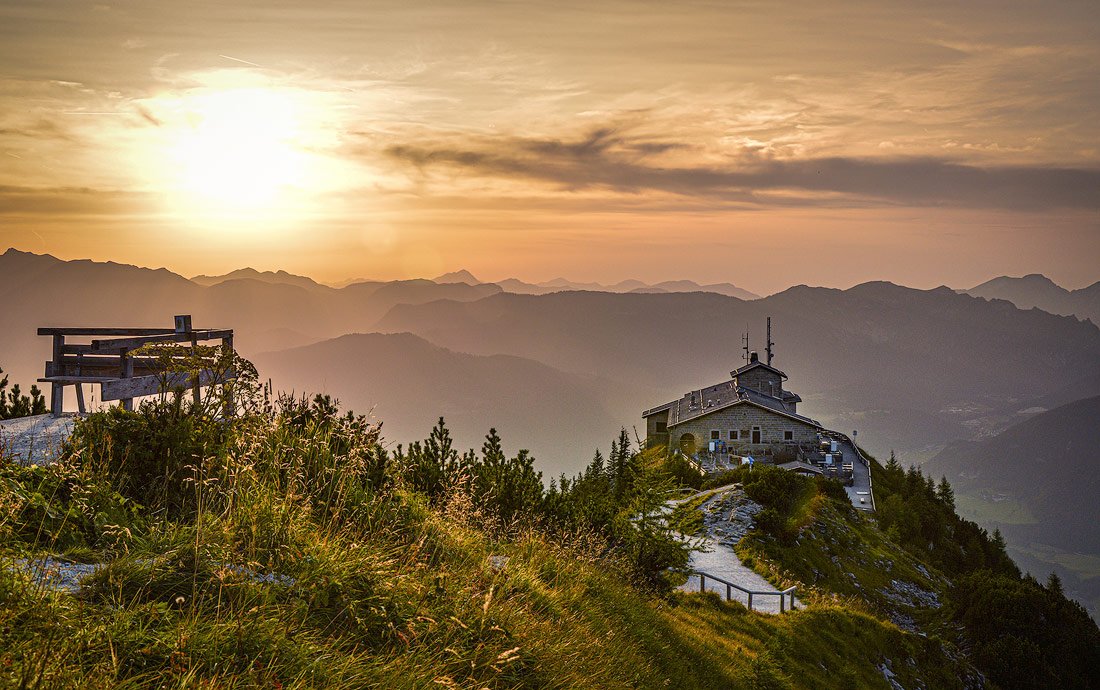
(797, 466)
(704, 401)
(752, 365)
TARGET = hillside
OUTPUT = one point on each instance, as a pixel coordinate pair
(410, 383)
(1038, 291)
(309, 556)
(1037, 483)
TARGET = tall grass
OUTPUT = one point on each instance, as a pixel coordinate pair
(282, 549)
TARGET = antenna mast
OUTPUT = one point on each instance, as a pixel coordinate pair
(770, 343)
(745, 344)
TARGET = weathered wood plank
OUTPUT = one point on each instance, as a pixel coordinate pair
(64, 380)
(103, 331)
(123, 389)
(109, 369)
(57, 391)
(172, 337)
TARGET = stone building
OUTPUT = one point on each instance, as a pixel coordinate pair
(750, 414)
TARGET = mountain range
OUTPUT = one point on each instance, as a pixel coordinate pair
(1039, 292)
(908, 369)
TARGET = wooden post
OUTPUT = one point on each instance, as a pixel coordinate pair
(729, 592)
(195, 397)
(750, 600)
(57, 390)
(126, 373)
(702, 583)
(80, 398)
(782, 601)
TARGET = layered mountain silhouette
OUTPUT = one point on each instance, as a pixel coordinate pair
(909, 369)
(561, 284)
(1038, 291)
(407, 383)
(274, 277)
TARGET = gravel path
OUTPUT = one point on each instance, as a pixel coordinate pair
(728, 514)
(34, 440)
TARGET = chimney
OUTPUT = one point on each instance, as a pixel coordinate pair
(753, 357)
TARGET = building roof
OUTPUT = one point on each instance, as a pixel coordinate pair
(699, 403)
(798, 466)
(752, 365)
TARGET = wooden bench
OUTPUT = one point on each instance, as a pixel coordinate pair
(107, 361)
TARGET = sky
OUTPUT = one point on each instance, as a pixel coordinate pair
(764, 143)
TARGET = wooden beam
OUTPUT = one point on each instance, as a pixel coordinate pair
(138, 386)
(57, 390)
(172, 337)
(104, 331)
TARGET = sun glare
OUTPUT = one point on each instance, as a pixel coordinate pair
(238, 149)
(240, 152)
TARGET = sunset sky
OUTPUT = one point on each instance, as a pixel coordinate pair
(762, 143)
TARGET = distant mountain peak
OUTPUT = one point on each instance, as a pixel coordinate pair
(459, 276)
(279, 277)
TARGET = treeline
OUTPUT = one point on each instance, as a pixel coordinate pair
(618, 498)
(1021, 633)
(13, 403)
(918, 513)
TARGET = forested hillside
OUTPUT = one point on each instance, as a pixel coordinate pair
(292, 546)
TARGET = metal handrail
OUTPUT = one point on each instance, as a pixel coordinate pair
(749, 592)
(863, 459)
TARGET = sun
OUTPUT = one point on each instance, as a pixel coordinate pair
(237, 149)
(231, 149)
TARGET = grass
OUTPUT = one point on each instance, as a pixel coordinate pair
(278, 557)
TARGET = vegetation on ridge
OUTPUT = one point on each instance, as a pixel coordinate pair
(288, 547)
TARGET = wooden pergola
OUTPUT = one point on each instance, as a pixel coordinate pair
(107, 361)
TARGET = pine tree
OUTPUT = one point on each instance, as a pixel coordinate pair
(597, 469)
(892, 464)
(1054, 584)
(945, 493)
(492, 453)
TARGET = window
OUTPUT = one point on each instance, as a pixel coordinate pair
(715, 435)
(788, 435)
(662, 427)
(735, 434)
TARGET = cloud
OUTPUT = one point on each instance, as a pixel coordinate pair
(607, 159)
(73, 201)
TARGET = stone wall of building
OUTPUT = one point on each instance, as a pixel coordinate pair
(656, 429)
(762, 380)
(742, 418)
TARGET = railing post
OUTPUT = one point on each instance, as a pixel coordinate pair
(750, 600)
(702, 583)
(729, 592)
(126, 373)
(782, 602)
